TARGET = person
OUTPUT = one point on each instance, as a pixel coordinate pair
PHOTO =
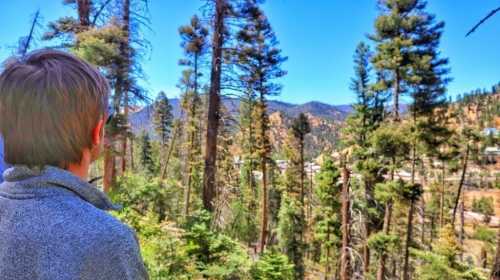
(53, 224)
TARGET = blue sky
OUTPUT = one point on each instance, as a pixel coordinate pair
(318, 36)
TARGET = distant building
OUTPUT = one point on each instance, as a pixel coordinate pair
(492, 155)
(492, 151)
(490, 131)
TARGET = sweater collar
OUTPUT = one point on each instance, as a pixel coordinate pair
(61, 178)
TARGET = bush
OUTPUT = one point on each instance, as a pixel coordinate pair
(216, 256)
(169, 252)
(383, 243)
(272, 266)
(140, 194)
(484, 205)
(485, 234)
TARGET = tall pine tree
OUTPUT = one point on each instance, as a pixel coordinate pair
(259, 60)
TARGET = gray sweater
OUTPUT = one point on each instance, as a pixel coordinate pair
(54, 226)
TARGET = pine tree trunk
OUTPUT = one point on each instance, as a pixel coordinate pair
(387, 227)
(125, 137)
(397, 90)
(210, 169)
(327, 268)
(84, 7)
(409, 234)
(460, 184)
(441, 198)
(461, 232)
(302, 193)
(366, 250)
(422, 232)
(433, 225)
(495, 271)
(411, 210)
(109, 166)
(483, 258)
(132, 165)
(192, 137)
(170, 150)
(263, 231)
(344, 258)
(125, 52)
(187, 200)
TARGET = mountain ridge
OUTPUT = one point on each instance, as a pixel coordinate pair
(141, 120)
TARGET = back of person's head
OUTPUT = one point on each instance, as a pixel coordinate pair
(50, 102)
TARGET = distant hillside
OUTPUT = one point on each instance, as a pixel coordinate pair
(142, 119)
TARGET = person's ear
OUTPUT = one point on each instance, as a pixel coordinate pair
(97, 133)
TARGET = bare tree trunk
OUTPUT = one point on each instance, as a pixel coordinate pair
(422, 233)
(132, 165)
(461, 232)
(397, 90)
(109, 166)
(344, 258)
(433, 225)
(327, 265)
(387, 227)
(411, 210)
(210, 169)
(190, 159)
(84, 7)
(125, 137)
(25, 44)
(125, 52)
(187, 199)
(441, 198)
(483, 258)
(495, 271)
(460, 184)
(170, 150)
(366, 250)
(263, 231)
(302, 192)
(409, 233)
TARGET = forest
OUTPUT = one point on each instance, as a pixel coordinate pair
(226, 183)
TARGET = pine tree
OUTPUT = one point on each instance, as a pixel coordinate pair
(195, 46)
(147, 161)
(162, 121)
(107, 34)
(327, 219)
(162, 118)
(301, 128)
(399, 22)
(391, 148)
(227, 175)
(259, 60)
(220, 14)
(291, 215)
(428, 91)
(367, 116)
(290, 231)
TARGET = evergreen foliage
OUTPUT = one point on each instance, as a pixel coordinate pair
(163, 118)
(146, 158)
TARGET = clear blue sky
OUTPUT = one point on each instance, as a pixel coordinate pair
(318, 36)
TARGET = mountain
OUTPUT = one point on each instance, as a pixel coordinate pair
(141, 120)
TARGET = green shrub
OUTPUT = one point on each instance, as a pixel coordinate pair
(215, 255)
(272, 266)
(485, 234)
(484, 205)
